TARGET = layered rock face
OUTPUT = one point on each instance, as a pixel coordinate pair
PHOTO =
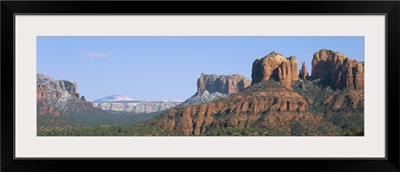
(225, 84)
(337, 70)
(275, 66)
(303, 73)
(211, 87)
(240, 110)
(59, 97)
(136, 107)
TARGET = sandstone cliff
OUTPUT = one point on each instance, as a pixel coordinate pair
(211, 87)
(59, 97)
(337, 70)
(275, 66)
(225, 84)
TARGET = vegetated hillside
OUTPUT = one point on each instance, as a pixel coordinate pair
(46, 123)
(343, 108)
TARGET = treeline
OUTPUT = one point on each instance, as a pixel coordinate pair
(111, 131)
(89, 120)
(153, 131)
(119, 124)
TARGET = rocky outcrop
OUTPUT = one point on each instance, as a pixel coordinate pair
(59, 97)
(337, 70)
(294, 68)
(136, 107)
(211, 87)
(303, 73)
(358, 76)
(225, 84)
(240, 110)
(275, 66)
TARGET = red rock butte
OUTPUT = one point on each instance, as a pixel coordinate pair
(337, 70)
(226, 84)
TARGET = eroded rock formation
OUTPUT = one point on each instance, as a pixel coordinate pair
(303, 73)
(275, 66)
(337, 70)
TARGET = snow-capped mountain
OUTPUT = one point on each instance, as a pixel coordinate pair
(114, 98)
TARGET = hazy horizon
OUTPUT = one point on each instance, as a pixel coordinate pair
(167, 68)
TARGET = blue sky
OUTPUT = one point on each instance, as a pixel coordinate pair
(160, 68)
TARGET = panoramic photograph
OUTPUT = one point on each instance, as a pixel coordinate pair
(200, 86)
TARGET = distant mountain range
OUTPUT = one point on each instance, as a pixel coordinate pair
(121, 103)
(210, 87)
(136, 106)
(121, 99)
(113, 98)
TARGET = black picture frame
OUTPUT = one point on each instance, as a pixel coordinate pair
(10, 8)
